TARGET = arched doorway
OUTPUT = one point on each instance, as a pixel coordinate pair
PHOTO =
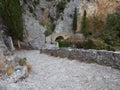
(59, 38)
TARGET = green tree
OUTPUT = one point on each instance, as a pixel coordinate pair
(12, 17)
(48, 31)
(111, 35)
(84, 24)
(61, 6)
(75, 20)
(113, 22)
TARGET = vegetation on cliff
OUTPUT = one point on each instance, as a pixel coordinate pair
(60, 7)
(12, 17)
(111, 35)
(75, 20)
(48, 31)
(84, 24)
(102, 35)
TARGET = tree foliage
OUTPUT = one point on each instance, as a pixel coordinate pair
(113, 22)
(48, 31)
(63, 43)
(12, 17)
(84, 24)
(111, 35)
(75, 20)
(61, 6)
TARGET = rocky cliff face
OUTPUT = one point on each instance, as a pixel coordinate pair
(105, 7)
(45, 11)
(37, 15)
(58, 16)
(98, 8)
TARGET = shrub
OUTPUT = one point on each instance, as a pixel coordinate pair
(61, 6)
(12, 16)
(10, 70)
(94, 44)
(113, 22)
(63, 43)
(111, 35)
(48, 31)
(22, 61)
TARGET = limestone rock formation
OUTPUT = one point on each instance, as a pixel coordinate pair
(41, 13)
(37, 14)
(34, 32)
(105, 7)
(3, 46)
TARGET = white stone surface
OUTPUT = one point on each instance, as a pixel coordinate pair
(17, 75)
(35, 31)
(65, 25)
(50, 73)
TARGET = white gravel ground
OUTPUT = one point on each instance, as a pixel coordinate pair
(50, 73)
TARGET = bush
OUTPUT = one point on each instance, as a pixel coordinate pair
(63, 43)
(48, 31)
(22, 61)
(111, 35)
(12, 17)
(113, 22)
(61, 6)
(94, 44)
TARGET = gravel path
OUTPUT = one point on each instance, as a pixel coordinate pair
(51, 73)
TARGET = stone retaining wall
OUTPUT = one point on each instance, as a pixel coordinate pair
(102, 57)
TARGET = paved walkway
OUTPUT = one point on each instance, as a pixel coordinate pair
(50, 73)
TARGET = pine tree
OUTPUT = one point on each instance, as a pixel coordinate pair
(12, 17)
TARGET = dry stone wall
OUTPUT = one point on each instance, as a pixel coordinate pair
(103, 57)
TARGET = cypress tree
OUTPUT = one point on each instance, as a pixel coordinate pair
(84, 24)
(75, 20)
(12, 16)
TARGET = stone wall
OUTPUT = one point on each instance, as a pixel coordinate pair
(102, 57)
